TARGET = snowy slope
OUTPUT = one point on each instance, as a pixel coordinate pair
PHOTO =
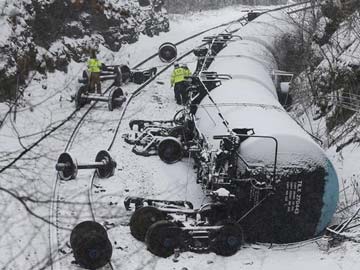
(46, 104)
(24, 239)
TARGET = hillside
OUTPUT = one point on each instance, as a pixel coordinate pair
(44, 36)
(45, 54)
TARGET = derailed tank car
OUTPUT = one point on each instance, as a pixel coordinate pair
(262, 171)
(304, 182)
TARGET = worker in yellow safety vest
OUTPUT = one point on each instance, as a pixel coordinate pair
(94, 68)
(178, 80)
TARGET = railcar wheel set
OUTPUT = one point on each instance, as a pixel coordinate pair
(90, 243)
(68, 167)
(260, 187)
(119, 75)
(164, 232)
(246, 198)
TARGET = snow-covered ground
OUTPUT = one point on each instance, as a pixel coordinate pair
(24, 239)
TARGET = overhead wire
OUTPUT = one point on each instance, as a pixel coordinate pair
(209, 55)
(119, 122)
(51, 131)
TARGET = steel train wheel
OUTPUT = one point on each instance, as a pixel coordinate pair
(116, 93)
(91, 246)
(142, 219)
(79, 101)
(163, 237)
(228, 239)
(170, 150)
(167, 52)
(125, 73)
(69, 172)
(138, 77)
(108, 170)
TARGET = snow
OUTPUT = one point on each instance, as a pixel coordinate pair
(249, 99)
(25, 239)
(6, 31)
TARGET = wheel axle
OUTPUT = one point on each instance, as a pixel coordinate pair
(67, 167)
(115, 98)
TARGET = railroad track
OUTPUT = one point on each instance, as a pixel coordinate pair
(73, 113)
(54, 232)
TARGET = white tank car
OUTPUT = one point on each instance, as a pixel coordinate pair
(306, 192)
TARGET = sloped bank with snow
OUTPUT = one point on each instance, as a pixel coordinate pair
(47, 35)
(25, 239)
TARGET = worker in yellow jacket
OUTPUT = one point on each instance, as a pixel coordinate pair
(178, 80)
(94, 68)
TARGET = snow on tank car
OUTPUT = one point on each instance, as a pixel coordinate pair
(266, 178)
(304, 181)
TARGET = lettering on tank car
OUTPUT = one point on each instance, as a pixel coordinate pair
(292, 197)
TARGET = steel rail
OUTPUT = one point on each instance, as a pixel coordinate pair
(133, 95)
(54, 209)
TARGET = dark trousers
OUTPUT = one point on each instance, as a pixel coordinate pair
(180, 92)
(95, 81)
